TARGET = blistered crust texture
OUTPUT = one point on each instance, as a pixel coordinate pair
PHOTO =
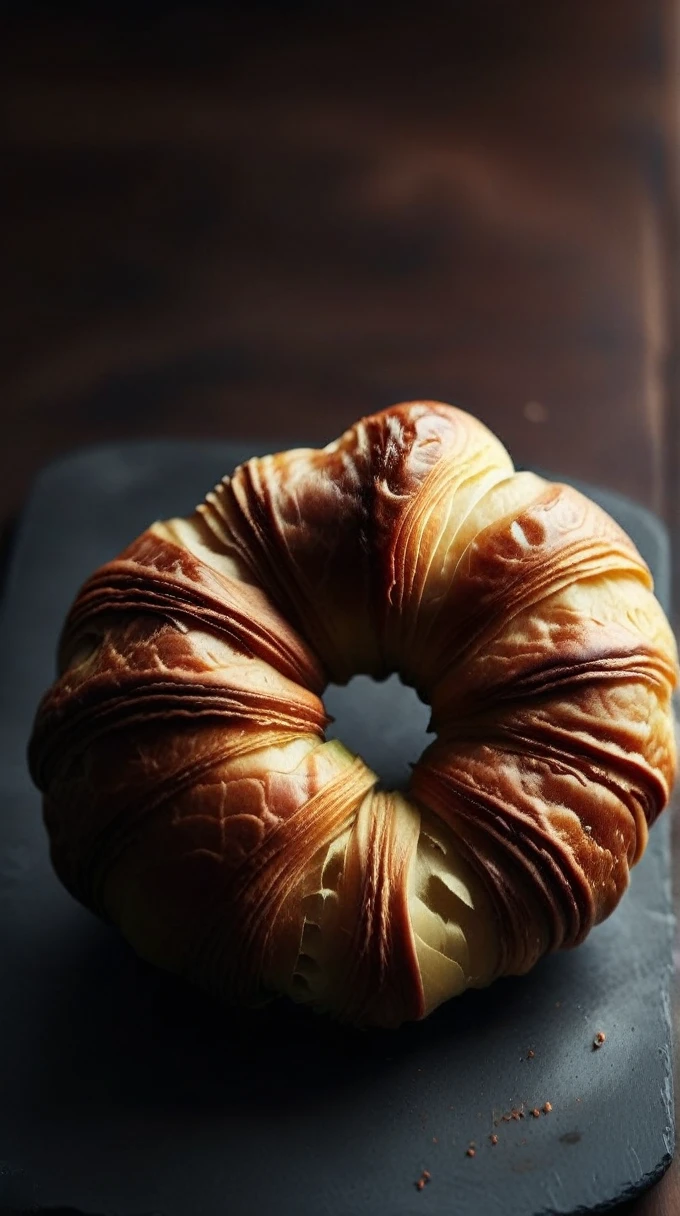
(190, 794)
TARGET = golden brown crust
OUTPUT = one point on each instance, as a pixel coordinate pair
(190, 796)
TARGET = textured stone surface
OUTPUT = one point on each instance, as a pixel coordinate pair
(125, 1092)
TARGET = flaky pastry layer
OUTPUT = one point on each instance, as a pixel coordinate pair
(191, 796)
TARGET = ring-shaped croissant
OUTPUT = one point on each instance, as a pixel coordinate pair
(190, 795)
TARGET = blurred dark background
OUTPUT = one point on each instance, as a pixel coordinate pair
(267, 219)
(263, 220)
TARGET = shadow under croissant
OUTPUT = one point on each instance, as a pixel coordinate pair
(122, 1033)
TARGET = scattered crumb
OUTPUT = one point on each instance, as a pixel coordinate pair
(599, 1039)
(530, 1054)
(494, 1139)
(536, 1112)
(547, 1107)
(517, 1112)
(424, 1178)
(435, 1140)
(470, 1152)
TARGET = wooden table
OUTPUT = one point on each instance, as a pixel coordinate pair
(268, 223)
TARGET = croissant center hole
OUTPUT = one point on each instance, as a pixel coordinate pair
(383, 722)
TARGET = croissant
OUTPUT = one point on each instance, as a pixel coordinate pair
(190, 795)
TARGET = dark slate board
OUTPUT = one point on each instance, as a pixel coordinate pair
(123, 1091)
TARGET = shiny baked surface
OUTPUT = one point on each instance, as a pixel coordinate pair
(190, 794)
